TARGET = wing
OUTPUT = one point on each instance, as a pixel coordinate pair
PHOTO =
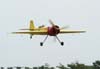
(72, 31)
(32, 32)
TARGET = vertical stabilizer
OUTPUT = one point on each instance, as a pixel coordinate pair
(31, 25)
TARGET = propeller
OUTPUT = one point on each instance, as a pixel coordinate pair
(54, 39)
(64, 27)
(52, 23)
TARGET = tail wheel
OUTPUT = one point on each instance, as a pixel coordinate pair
(31, 36)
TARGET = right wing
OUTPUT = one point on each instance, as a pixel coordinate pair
(72, 31)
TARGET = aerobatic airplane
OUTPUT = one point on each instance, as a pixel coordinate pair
(54, 30)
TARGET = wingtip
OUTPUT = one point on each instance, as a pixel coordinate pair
(84, 31)
(13, 32)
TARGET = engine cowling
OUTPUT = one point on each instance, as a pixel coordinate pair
(53, 31)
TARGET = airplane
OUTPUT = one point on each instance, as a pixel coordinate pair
(53, 30)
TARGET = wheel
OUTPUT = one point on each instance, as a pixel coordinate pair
(41, 43)
(30, 36)
(62, 43)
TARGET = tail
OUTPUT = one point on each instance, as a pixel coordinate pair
(31, 27)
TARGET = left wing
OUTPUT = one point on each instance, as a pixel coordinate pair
(32, 32)
(72, 31)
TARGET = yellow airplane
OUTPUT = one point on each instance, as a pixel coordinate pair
(54, 30)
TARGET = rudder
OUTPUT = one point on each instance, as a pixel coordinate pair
(31, 25)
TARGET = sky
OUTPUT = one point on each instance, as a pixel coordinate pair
(19, 50)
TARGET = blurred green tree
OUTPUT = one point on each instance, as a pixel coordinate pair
(77, 66)
(96, 64)
(61, 66)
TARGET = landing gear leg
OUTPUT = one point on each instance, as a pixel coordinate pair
(41, 43)
(62, 43)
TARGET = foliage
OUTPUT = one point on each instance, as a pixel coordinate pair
(77, 65)
(61, 66)
(96, 64)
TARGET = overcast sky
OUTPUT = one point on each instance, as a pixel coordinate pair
(77, 14)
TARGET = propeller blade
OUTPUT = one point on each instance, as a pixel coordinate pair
(64, 27)
(51, 22)
(54, 39)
